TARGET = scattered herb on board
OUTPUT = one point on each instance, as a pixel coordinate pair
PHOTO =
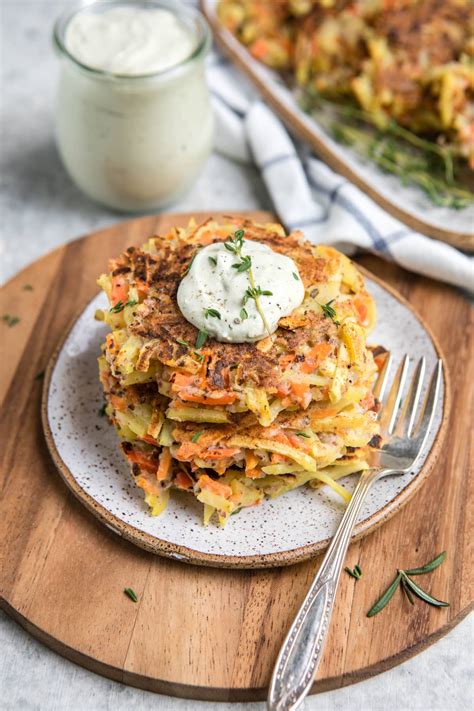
(410, 587)
(201, 338)
(131, 594)
(27, 287)
(10, 320)
(196, 436)
(40, 375)
(102, 410)
(235, 245)
(354, 572)
(120, 305)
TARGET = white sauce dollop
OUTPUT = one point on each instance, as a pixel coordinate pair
(129, 40)
(213, 283)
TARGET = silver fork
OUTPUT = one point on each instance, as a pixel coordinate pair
(403, 441)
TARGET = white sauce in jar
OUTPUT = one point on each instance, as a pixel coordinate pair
(213, 286)
(134, 121)
(129, 41)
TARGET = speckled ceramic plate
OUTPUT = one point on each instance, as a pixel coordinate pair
(279, 532)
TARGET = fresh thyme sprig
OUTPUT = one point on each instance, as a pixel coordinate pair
(409, 586)
(432, 167)
(235, 244)
(120, 305)
(330, 312)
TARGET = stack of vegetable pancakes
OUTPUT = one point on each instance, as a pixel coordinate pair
(234, 423)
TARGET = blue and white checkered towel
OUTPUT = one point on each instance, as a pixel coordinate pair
(308, 195)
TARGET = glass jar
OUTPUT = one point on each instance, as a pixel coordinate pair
(134, 142)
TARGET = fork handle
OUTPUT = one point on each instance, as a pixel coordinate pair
(302, 649)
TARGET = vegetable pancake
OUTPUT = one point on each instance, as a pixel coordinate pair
(235, 422)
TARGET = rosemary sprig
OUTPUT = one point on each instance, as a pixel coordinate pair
(235, 244)
(355, 572)
(409, 586)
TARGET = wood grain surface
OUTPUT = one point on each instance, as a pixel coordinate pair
(201, 632)
(244, 61)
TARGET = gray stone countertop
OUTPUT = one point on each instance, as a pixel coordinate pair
(40, 209)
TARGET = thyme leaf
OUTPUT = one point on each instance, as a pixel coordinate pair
(212, 312)
(196, 436)
(10, 320)
(201, 338)
(120, 305)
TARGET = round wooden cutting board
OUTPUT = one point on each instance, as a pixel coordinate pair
(200, 632)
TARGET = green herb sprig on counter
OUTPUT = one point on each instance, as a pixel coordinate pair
(354, 572)
(410, 587)
(131, 594)
(10, 320)
(235, 245)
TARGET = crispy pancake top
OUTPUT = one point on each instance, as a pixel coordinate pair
(157, 270)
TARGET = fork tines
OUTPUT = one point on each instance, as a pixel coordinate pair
(398, 413)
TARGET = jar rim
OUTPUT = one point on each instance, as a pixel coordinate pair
(201, 48)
